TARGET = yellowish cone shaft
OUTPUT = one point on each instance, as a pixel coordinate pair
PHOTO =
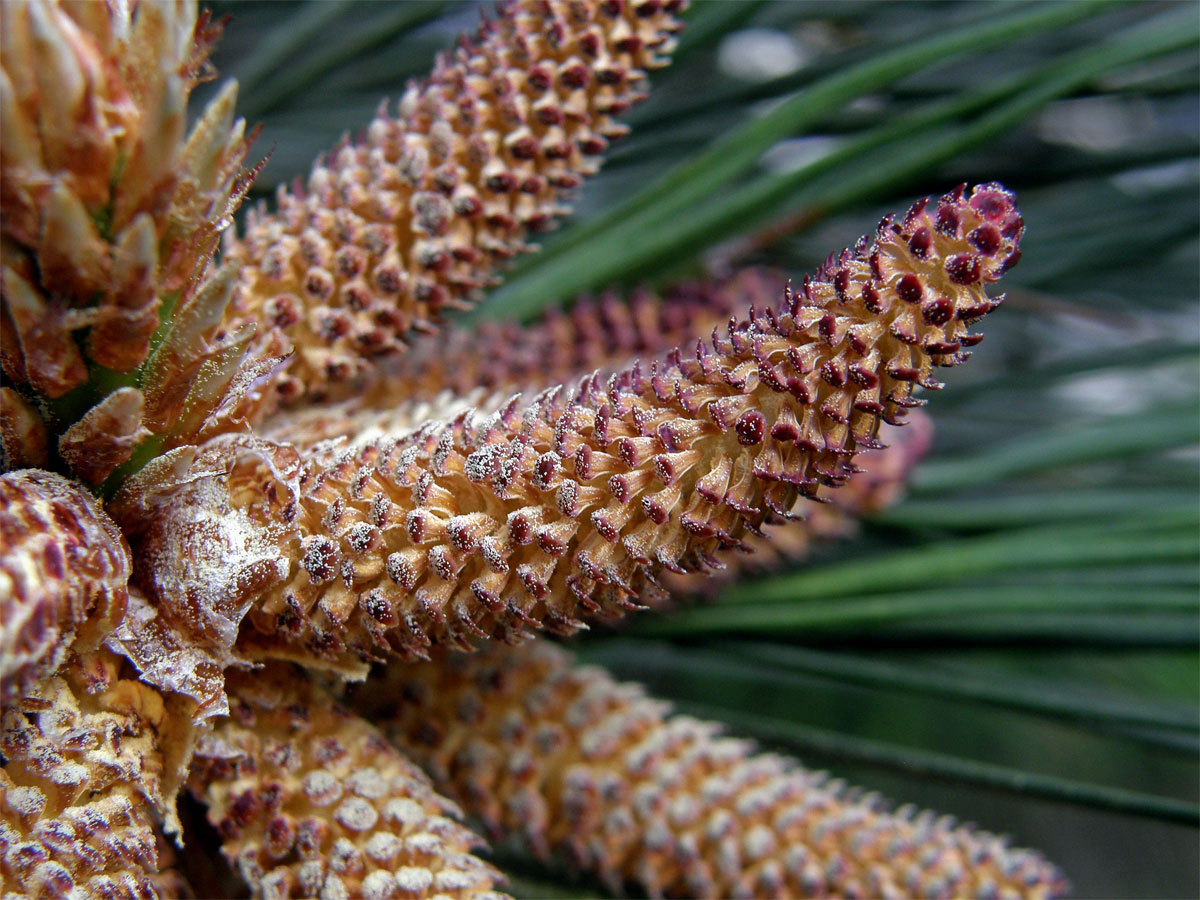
(569, 505)
(311, 801)
(416, 217)
(605, 334)
(489, 362)
(82, 785)
(582, 769)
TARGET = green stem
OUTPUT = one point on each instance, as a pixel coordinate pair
(1118, 437)
(706, 174)
(893, 609)
(1039, 697)
(956, 770)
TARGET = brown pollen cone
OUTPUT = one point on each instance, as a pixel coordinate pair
(64, 572)
(569, 504)
(416, 216)
(444, 373)
(82, 782)
(602, 334)
(486, 363)
(312, 801)
(576, 766)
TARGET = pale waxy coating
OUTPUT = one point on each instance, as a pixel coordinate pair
(582, 769)
(83, 785)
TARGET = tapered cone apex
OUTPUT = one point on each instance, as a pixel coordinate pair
(111, 210)
(82, 784)
(581, 769)
(64, 572)
(569, 505)
(415, 217)
(311, 801)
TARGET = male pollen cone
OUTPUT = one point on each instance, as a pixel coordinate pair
(570, 504)
(415, 217)
(570, 764)
(312, 801)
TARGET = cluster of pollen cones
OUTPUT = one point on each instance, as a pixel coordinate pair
(239, 475)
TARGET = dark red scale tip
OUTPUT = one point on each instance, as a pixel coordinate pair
(942, 348)
(827, 327)
(947, 220)
(956, 195)
(841, 281)
(992, 202)
(521, 529)
(784, 431)
(909, 288)
(986, 239)
(549, 114)
(52, 561)
(655, 511)
(751, 427)
(1012, 259)
(574, 76)
(610, 75)
(501, 182)
(915, 210)
(593, 145)
(938, 312)
(832, 374)
(524, 148)
(547, 468)
(870, 298)
(919, 243)
(964, 268)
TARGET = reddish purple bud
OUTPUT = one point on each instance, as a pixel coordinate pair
(947, 220)
(964, 268)
(919, 243)
(751, 426)
(909, 288)
(938, 312)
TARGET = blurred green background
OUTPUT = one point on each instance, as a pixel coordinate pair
(1015, 644)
